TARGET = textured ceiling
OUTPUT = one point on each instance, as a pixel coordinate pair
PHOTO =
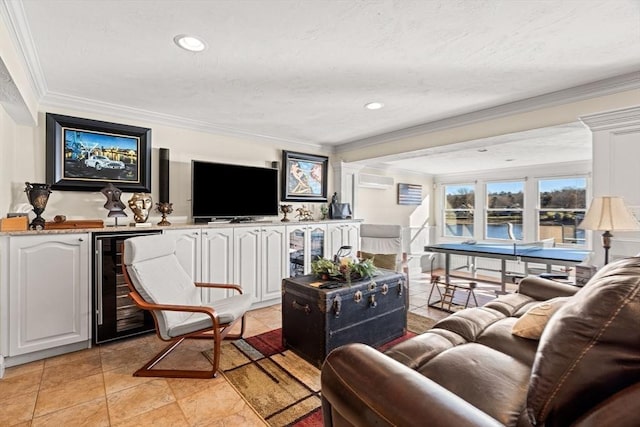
(301, 71)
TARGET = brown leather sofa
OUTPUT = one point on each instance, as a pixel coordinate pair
(471, 370)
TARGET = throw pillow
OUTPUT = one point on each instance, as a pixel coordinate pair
(531, 324)
(387, 261)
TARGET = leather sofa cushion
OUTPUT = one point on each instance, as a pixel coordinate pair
(488, 379)
(418, 350)
(469, 323)
(589, 349)
(509, 304)
(499, 336)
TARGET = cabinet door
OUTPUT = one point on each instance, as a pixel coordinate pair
(306, 243)
(188, 250)
(342, 234)
(248, 265)
(274, 261)
(316, 245)
(48, 291)
(334, 239)
(351, 236)
(217, 261)
(296, 243)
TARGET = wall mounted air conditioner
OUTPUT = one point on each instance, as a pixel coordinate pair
(375, 181)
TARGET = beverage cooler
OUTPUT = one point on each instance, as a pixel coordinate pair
(115, 314)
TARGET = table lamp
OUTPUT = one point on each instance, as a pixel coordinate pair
(608, 213)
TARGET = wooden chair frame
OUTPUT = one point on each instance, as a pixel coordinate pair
(217, 332)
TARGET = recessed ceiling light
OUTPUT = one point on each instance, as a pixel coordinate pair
(374, 105)
(189, 43)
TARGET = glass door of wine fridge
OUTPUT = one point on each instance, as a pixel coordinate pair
(115, 314)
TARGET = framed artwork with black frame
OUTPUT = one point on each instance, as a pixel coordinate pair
(304, 177)
(86, 155)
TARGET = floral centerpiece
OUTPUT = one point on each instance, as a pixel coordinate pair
(344, 271)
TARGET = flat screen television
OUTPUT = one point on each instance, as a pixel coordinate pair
(226, 191)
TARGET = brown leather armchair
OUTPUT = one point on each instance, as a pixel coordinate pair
(471, 370)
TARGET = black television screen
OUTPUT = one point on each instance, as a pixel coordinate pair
(221, 190)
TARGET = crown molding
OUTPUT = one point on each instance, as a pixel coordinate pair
(613, 119)
(603, 87)
(56, 100)
(15, 19)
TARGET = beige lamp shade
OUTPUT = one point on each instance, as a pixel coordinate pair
(609, 213)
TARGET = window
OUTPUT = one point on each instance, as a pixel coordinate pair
(505, 202)
(459, 210)
(562, 205)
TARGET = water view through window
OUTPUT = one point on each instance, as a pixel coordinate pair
(459, 210)
(561, 205)
(505, 201)
(563, 202)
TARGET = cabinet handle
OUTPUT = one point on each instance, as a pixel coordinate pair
(80, 239)
(195, 233)
(98, 276)
(205, 233)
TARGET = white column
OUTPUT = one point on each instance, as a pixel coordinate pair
(346, 184)
(616, 172)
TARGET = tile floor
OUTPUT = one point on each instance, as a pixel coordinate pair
(95, 387)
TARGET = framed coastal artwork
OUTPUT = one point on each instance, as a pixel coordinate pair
(304, 177)
(86, 155)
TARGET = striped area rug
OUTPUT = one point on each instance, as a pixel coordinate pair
(281, 386)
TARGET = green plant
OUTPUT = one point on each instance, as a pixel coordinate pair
(345, 271)
(323, 266)
(364, 268)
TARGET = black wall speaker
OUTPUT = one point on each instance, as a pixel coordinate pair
(163, 176)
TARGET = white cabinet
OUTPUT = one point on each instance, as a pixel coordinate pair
(343, 234)
(260, 260)
(306, 242)
(189, 250)
(48, 291)
(207, 255)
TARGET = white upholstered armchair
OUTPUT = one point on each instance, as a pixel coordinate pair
(158, 283)
(383, 243)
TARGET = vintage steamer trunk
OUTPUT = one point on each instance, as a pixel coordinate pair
(315, 321)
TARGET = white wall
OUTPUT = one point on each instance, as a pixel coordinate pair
(24, 153)
(380, 206)
(6, 155)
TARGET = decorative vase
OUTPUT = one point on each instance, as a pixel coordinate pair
(165, 208)
(286, 209)
(38, 195)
